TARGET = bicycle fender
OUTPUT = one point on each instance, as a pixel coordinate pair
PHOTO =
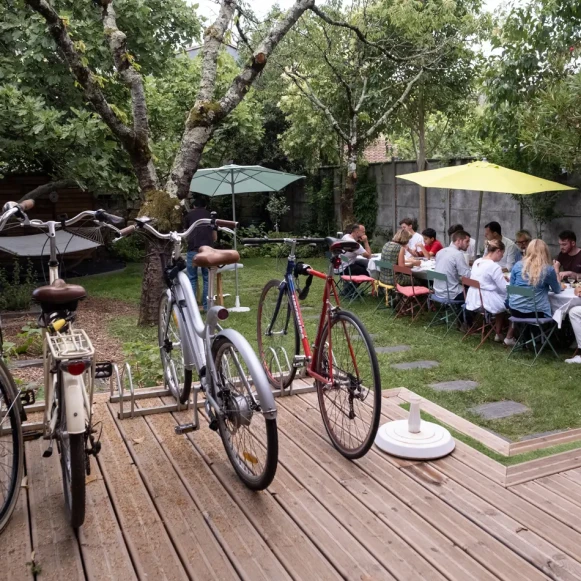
(256, 370)
(74, 403)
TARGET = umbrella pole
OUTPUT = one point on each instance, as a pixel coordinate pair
(478, 222)
(237, 308)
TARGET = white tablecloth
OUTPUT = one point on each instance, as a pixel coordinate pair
(372, 266)
(561, 303)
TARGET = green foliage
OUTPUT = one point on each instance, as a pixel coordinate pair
(321, 207)
(130, 249)
(145, 361)
(16, 289)
(366, 207)
(277, 208)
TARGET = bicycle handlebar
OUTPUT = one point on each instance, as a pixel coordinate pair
(26, 205)
(127, 231)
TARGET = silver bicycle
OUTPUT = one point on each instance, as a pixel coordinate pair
(238, 399)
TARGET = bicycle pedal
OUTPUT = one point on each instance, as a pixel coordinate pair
(48, 452)
(185, 428)
(103, 369)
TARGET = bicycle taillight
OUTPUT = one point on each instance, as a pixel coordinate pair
(76, 366)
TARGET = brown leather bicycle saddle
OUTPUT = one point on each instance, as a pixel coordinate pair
(208, 257)
(59, 293)
(339, 246)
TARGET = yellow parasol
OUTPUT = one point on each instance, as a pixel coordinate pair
(486, 177)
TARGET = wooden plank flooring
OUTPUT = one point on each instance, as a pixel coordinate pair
(162, 506)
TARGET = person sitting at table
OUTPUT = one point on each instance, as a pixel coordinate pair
(493, 231)
(575, 318)
(522, 240)
(431, 246)
(471, 252)
(451, 262)
(416, 238)
(533, 271)
(568, 262)
(487, 272)
(394, 252)
(359, 259)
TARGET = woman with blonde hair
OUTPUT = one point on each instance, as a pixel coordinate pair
(394, 252)
(535, 271)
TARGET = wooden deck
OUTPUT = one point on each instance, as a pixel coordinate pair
(161, 506)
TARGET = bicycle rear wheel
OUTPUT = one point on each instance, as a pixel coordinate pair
(11, 446)
(177, 378)
(278, 335)
(73, 466)
(250, 439)
(351, 406)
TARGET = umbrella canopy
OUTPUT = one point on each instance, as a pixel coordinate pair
(238, 179)
(484, 176)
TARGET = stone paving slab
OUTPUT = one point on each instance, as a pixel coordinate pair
(459, 385)
(415, 365)
(499, 409)
(393, 349)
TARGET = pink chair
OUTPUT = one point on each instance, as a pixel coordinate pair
(411, 297)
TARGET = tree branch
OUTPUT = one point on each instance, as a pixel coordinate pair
(243, 36)
(44, 189)
(369, 133)
(82, 73)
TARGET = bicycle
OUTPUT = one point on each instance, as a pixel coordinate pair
(11, 443)
(342, 362)
(239, 403)
(69, 364)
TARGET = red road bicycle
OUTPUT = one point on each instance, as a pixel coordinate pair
(342, 361)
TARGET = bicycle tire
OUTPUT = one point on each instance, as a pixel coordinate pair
(264, 434)
(73, 466)
(179, 385)
(362, 418)
(12, 444)
(266, 305)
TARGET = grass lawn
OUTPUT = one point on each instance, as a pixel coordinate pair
(551, 389)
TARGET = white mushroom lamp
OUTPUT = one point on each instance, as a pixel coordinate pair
(414, 438)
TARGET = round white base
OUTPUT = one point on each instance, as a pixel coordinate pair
(432, 441)
(238, 309)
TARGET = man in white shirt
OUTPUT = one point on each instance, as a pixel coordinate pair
(493, 231)
(359, 259)
(471, 252)
(451, 262)
(416, 238)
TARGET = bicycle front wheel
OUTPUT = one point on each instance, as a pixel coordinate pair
(250, 439)
(73, 466)
(350, 401)
(11, 446)
(278, 336)
(177, 378)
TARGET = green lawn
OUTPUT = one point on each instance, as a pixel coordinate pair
(551, 389)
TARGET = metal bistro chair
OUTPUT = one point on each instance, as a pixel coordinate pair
(388, 289)
(449, 309)
(354, 286)
(484, 321)
(536, 331)
(412, 297)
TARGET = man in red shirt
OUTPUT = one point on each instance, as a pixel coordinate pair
(431, 246)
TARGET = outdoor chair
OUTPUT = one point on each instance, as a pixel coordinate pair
(412, 298)
(354, 286)
(388, 289)
(483, 320)
(535, 332)
(448, 310)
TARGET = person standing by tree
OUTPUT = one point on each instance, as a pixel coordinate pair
(201, 236)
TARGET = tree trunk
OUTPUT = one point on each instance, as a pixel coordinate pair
(421, 160)
(348, 197)
(152, 284)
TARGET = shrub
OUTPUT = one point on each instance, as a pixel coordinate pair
(130, 249)
(16, 290)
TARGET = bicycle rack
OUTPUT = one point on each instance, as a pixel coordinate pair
(123, 392)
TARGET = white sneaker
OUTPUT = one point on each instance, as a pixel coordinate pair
(510, 342)
(498, 338)
(576, 359)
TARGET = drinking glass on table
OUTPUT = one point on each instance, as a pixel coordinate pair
(571, 278)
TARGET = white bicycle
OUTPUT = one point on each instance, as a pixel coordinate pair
(69, 362)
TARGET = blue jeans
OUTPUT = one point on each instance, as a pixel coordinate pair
(193, 276)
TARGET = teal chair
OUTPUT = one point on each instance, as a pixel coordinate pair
(536, 332)
(448, 310)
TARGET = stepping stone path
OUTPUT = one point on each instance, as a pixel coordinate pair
(460, 385)
(394, 349)
(499, 409)
(416, 365)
